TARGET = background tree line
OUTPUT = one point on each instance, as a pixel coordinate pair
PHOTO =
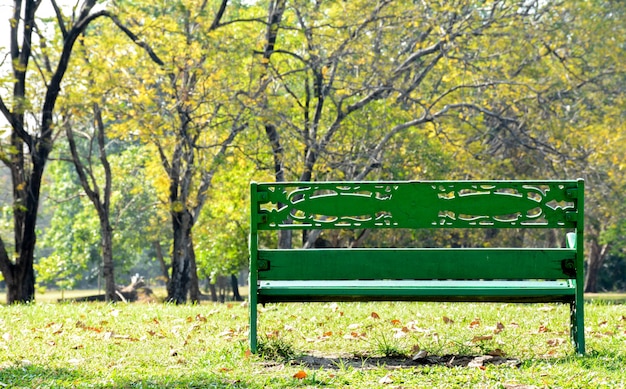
(131, 131)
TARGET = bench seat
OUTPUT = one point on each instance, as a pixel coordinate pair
(417, 290)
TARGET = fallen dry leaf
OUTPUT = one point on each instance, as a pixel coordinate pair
(496, 353)
(386, 380)
(475, 323)
(420, 355)
(300, 375)
(374, 315)
(355, 336)
(499, 328)
(272, 334)
(543, 329)
(477, 339)
(447, 320)
(400, 332)
(555, 342)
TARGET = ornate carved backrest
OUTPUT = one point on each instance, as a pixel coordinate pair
(423, 204)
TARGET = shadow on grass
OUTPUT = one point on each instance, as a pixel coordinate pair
(39, 376)
(372, 362)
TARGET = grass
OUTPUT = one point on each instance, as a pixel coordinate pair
(361, 345)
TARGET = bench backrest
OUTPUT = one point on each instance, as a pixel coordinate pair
(419, 205)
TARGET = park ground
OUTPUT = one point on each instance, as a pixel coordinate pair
(393, 345)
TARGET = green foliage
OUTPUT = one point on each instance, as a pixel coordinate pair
(70, 246)
(356, 89)
(221, 236)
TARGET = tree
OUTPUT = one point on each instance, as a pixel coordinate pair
(68, 250)
(186, 106)
(30, 142)
(332, 72)
(101, 198)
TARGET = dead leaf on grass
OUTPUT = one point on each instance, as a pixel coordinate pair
(447, 320)
(498, 328)
(497, 353)
(543, 329)
(355, 336)
(420, 355)
(555, 342)
(374, 315)
(300, 375)
(386, 380)
(477, 339)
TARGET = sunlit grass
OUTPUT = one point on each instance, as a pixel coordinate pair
(363, 345)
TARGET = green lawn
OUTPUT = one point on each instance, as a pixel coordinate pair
(309, 345)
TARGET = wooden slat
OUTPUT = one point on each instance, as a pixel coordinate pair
(404, 290)
(414, 264)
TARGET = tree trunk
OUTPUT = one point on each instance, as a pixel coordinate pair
(107, 259)
(178, 286)
(21, 281)
(234, 283)
(213, 290)
(159, 254)
(194, 286)
(597, 255)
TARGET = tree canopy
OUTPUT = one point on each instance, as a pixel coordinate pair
(196, 98)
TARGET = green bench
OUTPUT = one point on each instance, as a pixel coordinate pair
(494, 274)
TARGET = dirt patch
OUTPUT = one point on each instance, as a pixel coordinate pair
(316, 361)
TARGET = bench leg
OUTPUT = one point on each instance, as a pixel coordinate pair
(253, 324)
(577, 325)
(253, 321)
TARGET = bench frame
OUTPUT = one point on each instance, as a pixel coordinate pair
(540, 275)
